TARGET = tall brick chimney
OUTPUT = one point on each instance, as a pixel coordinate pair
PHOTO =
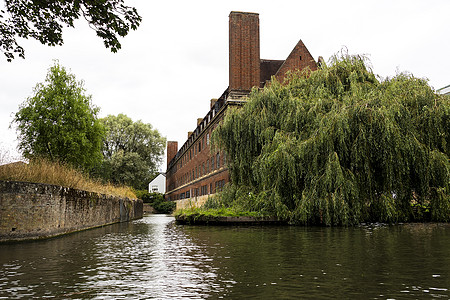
(172, 149)
(244, 52)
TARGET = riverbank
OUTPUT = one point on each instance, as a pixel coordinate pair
(224, 216)
(227, 220)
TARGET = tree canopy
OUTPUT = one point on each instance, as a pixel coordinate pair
(132, 151)
(340, 146)
(44, 21)
(59, 122)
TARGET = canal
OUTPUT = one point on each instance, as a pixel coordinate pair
(155, 258)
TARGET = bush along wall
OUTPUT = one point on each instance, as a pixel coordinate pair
(339, 146)
(157, 201)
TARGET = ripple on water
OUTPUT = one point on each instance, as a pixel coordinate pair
(163, 263)
(153, 258)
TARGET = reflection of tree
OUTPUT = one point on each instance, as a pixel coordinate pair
(156, 258)
(279, 262)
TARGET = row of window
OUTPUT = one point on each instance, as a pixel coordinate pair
(203, 190)
(206, 167)
(210, 117)
(201, 145)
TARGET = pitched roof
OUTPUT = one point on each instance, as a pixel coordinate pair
(298, 59)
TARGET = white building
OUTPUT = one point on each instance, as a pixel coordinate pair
(158, 185)
(444, 91)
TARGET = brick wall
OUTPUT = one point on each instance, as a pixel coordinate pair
(197, 169)
(244, 51)
(298, 59)
(34, 211)
(172, 149)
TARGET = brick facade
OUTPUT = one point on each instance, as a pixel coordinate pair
(299, 59)
(195, 170)
(244, 51)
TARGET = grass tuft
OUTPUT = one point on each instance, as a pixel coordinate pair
(57, 173)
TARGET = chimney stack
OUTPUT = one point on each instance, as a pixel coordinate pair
(212, 103)
(244, 51)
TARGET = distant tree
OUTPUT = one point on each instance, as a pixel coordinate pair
(44, 20)
(132, 151)
(59, 122)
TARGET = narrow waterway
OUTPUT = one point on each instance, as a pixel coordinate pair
(155, 258)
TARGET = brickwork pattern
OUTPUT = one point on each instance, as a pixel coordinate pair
(244, 51)
(298, 59)
(198, 171)
(172, 149)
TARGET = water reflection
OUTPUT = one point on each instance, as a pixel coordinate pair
(154, 258)
(148, 258)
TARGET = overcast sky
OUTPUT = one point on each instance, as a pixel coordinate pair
(177, 60)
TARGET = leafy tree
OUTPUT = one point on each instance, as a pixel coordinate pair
(132, 151)
(59, 122)
(44, 20)
(337, 146)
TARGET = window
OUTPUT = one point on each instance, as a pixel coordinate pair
(204, 190)
(212, 163)
(207, 138)
(207, 166)
(219, 185)
(218, 160)
(199, 146)
(154, 188)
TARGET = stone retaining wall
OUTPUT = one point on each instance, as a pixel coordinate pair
(191, 202)
(34, 211)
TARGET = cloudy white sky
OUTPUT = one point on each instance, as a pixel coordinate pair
(168, 70)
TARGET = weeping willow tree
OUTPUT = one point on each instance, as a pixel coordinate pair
(338, 147)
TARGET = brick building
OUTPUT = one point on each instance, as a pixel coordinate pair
(193, 171)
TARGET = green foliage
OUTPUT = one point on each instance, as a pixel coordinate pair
(44, 20)
(59, 122)
(198, 213)
(132, 151)
(164, 207)
(156, 200)
(338, 146)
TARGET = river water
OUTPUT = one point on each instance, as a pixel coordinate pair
(153, 258)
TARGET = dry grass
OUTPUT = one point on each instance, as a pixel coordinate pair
(44, 171)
